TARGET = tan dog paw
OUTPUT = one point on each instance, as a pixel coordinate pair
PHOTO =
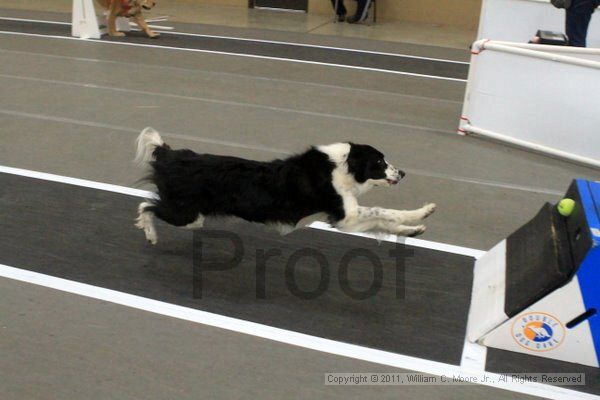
(428, 209)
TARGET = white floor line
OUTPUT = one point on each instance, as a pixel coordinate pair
(34, 20)
(157, 27)
(426, 244)
(269, 42)
(474, 356)
(288, 337)
(231, 103)
(158, 18)
(224, 53)
(242, 76)
(108, 187)
(316, 225)
(326, 48)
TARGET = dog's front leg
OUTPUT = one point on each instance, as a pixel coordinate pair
(112, 19)
(363, 219)
(400, 216)
(141, 22)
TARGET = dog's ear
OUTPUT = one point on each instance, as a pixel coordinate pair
(356, 164)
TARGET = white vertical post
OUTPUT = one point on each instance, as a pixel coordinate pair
(123, 24)
(84, 23)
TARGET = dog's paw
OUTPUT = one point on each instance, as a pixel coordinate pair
(416, 230)
(151, 237)
(428, 209)
(116, 34)
(410, 231)
(153, 35)
(147, 226)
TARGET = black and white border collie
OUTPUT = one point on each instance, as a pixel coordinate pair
(321, 183)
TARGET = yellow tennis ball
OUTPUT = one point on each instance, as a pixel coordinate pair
(565, 207)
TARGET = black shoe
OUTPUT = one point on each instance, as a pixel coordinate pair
(355, 19)
(341, 17)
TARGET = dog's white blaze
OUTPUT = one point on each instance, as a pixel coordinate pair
(337, 152)
(343, 182)
(391, 172)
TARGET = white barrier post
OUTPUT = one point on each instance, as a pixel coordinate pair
(84, 23)
(535, 96)
(123, 24)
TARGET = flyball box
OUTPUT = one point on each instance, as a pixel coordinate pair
(538, 291)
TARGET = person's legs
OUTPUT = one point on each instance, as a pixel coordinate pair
(578, 20)
(341, 9)
(362, 9)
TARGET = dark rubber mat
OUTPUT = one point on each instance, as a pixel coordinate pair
(501, 361)
(87, 235)
(386, 62)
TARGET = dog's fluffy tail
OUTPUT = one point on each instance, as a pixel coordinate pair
(148, 140)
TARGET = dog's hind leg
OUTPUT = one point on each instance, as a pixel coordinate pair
(112, 19)
(145, 221)
(177, 216)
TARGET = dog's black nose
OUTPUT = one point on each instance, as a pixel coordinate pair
(402, 174)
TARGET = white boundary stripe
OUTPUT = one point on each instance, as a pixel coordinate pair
(153, 46)
(219, 73)
(268, 41)
(426, 244)
(77, 182)
(474, 356)
(380, 53)
(34, 20)
(157, 27)
(158, 18)
(315, 225)
(287, 337)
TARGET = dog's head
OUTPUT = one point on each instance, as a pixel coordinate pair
(147, 4)
(361, 167)
(368, 166)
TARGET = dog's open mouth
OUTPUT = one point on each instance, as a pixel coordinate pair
(392, 181)
(146, 8)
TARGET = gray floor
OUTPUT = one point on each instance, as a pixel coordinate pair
(74, 108)
(81, 348)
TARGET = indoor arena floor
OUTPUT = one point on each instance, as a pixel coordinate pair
(73, 108)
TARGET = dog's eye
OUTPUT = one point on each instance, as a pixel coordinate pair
(379, 161)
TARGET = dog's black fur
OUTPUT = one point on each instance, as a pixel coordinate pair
(323, 182)
(279, 191)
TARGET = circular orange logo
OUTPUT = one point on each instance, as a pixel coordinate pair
(537, 331)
